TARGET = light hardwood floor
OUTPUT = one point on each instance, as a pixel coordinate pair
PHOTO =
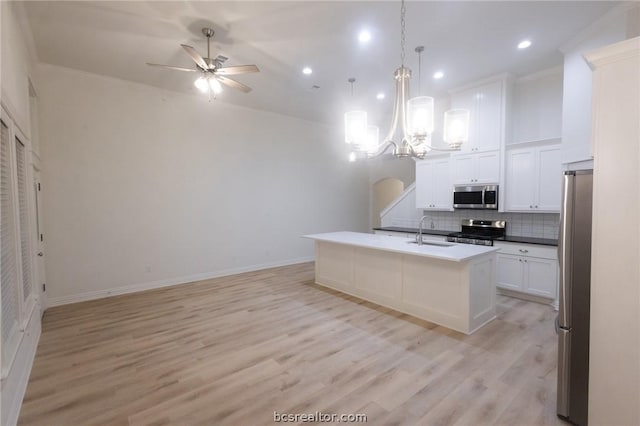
(233, 350)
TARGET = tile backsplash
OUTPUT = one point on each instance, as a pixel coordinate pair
(539, 225)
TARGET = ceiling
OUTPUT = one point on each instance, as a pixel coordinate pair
(467, 40)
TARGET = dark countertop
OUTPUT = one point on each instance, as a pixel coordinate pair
(413, 230)
(529, 240)
(507, 238)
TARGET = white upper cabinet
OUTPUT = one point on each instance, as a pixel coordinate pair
(482, 167)
(486, 123)
(433, 184)
(533, 179)
(536, 110)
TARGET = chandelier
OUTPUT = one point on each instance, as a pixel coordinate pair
(414, 117)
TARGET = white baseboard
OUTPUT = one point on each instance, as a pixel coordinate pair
(134, 288)
(14, 385)
(528, 297)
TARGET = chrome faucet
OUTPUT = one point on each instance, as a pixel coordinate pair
(419, 234)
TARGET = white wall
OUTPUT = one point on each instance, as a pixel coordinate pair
(150, 186)
(16, 68)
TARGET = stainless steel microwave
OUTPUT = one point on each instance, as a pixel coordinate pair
(484, 197)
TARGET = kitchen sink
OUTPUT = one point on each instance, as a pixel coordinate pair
(432, 243)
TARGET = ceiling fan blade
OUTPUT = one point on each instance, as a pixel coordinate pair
(199, 60)
(240, 69)
(232, 83)
(172, 67)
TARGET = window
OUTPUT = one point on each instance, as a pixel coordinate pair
(10, 290)
(23, 216)
(17, 295)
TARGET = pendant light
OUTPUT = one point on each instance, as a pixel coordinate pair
(415, 117)
(362, 137)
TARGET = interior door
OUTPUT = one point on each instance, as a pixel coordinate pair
(39, 243)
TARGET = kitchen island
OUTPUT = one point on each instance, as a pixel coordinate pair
(453, 285)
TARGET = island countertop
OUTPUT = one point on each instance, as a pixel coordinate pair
(452, 251)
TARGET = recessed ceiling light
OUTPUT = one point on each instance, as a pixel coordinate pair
(380, 96)
(307, 70)
(524, 44)
(438, 75)
(364, 36)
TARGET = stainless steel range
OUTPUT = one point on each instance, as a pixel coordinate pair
(480, 232)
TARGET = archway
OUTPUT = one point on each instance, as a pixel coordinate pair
(384, 192)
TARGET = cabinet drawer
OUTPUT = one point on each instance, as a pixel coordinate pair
(532, 250)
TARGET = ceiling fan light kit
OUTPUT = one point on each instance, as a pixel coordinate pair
(213, 73)
(414, 116)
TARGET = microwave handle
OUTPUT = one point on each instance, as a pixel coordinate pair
(483, 200)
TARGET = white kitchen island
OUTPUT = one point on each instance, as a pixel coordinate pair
(452, 285)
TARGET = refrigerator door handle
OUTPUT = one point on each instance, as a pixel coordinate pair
(564, 356)
(564, 249)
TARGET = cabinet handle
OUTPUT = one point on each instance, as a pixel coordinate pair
(525, 261)
(519, 260)
(523, 251)
(536, 207)
(531, 206)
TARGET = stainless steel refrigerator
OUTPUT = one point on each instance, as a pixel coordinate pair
(572, 324)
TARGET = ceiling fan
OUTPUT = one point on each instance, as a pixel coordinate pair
(213, 73)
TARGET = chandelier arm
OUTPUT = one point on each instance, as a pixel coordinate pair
(384, 147)
(396, 112)
(433, 148)
(413, 153)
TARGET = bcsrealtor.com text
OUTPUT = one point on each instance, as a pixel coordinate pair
(318, 417)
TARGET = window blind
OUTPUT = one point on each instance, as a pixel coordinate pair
(23, 216)
(9, 276)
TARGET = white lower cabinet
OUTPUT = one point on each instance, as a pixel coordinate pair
(528, 268)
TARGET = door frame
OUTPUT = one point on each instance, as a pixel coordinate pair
(38, 232)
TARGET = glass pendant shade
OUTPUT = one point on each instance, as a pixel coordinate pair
(215, 85)
(420, 117)
(456, 127)
(201, 84)
(355, 125)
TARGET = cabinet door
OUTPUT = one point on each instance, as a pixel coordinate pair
(424, 184)
(541, 277)
(487, 167)
(442, 190)
(549, 182)
(467, 100)
(510, 271)
(463, 168)
(489, 116)
(520, 180)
